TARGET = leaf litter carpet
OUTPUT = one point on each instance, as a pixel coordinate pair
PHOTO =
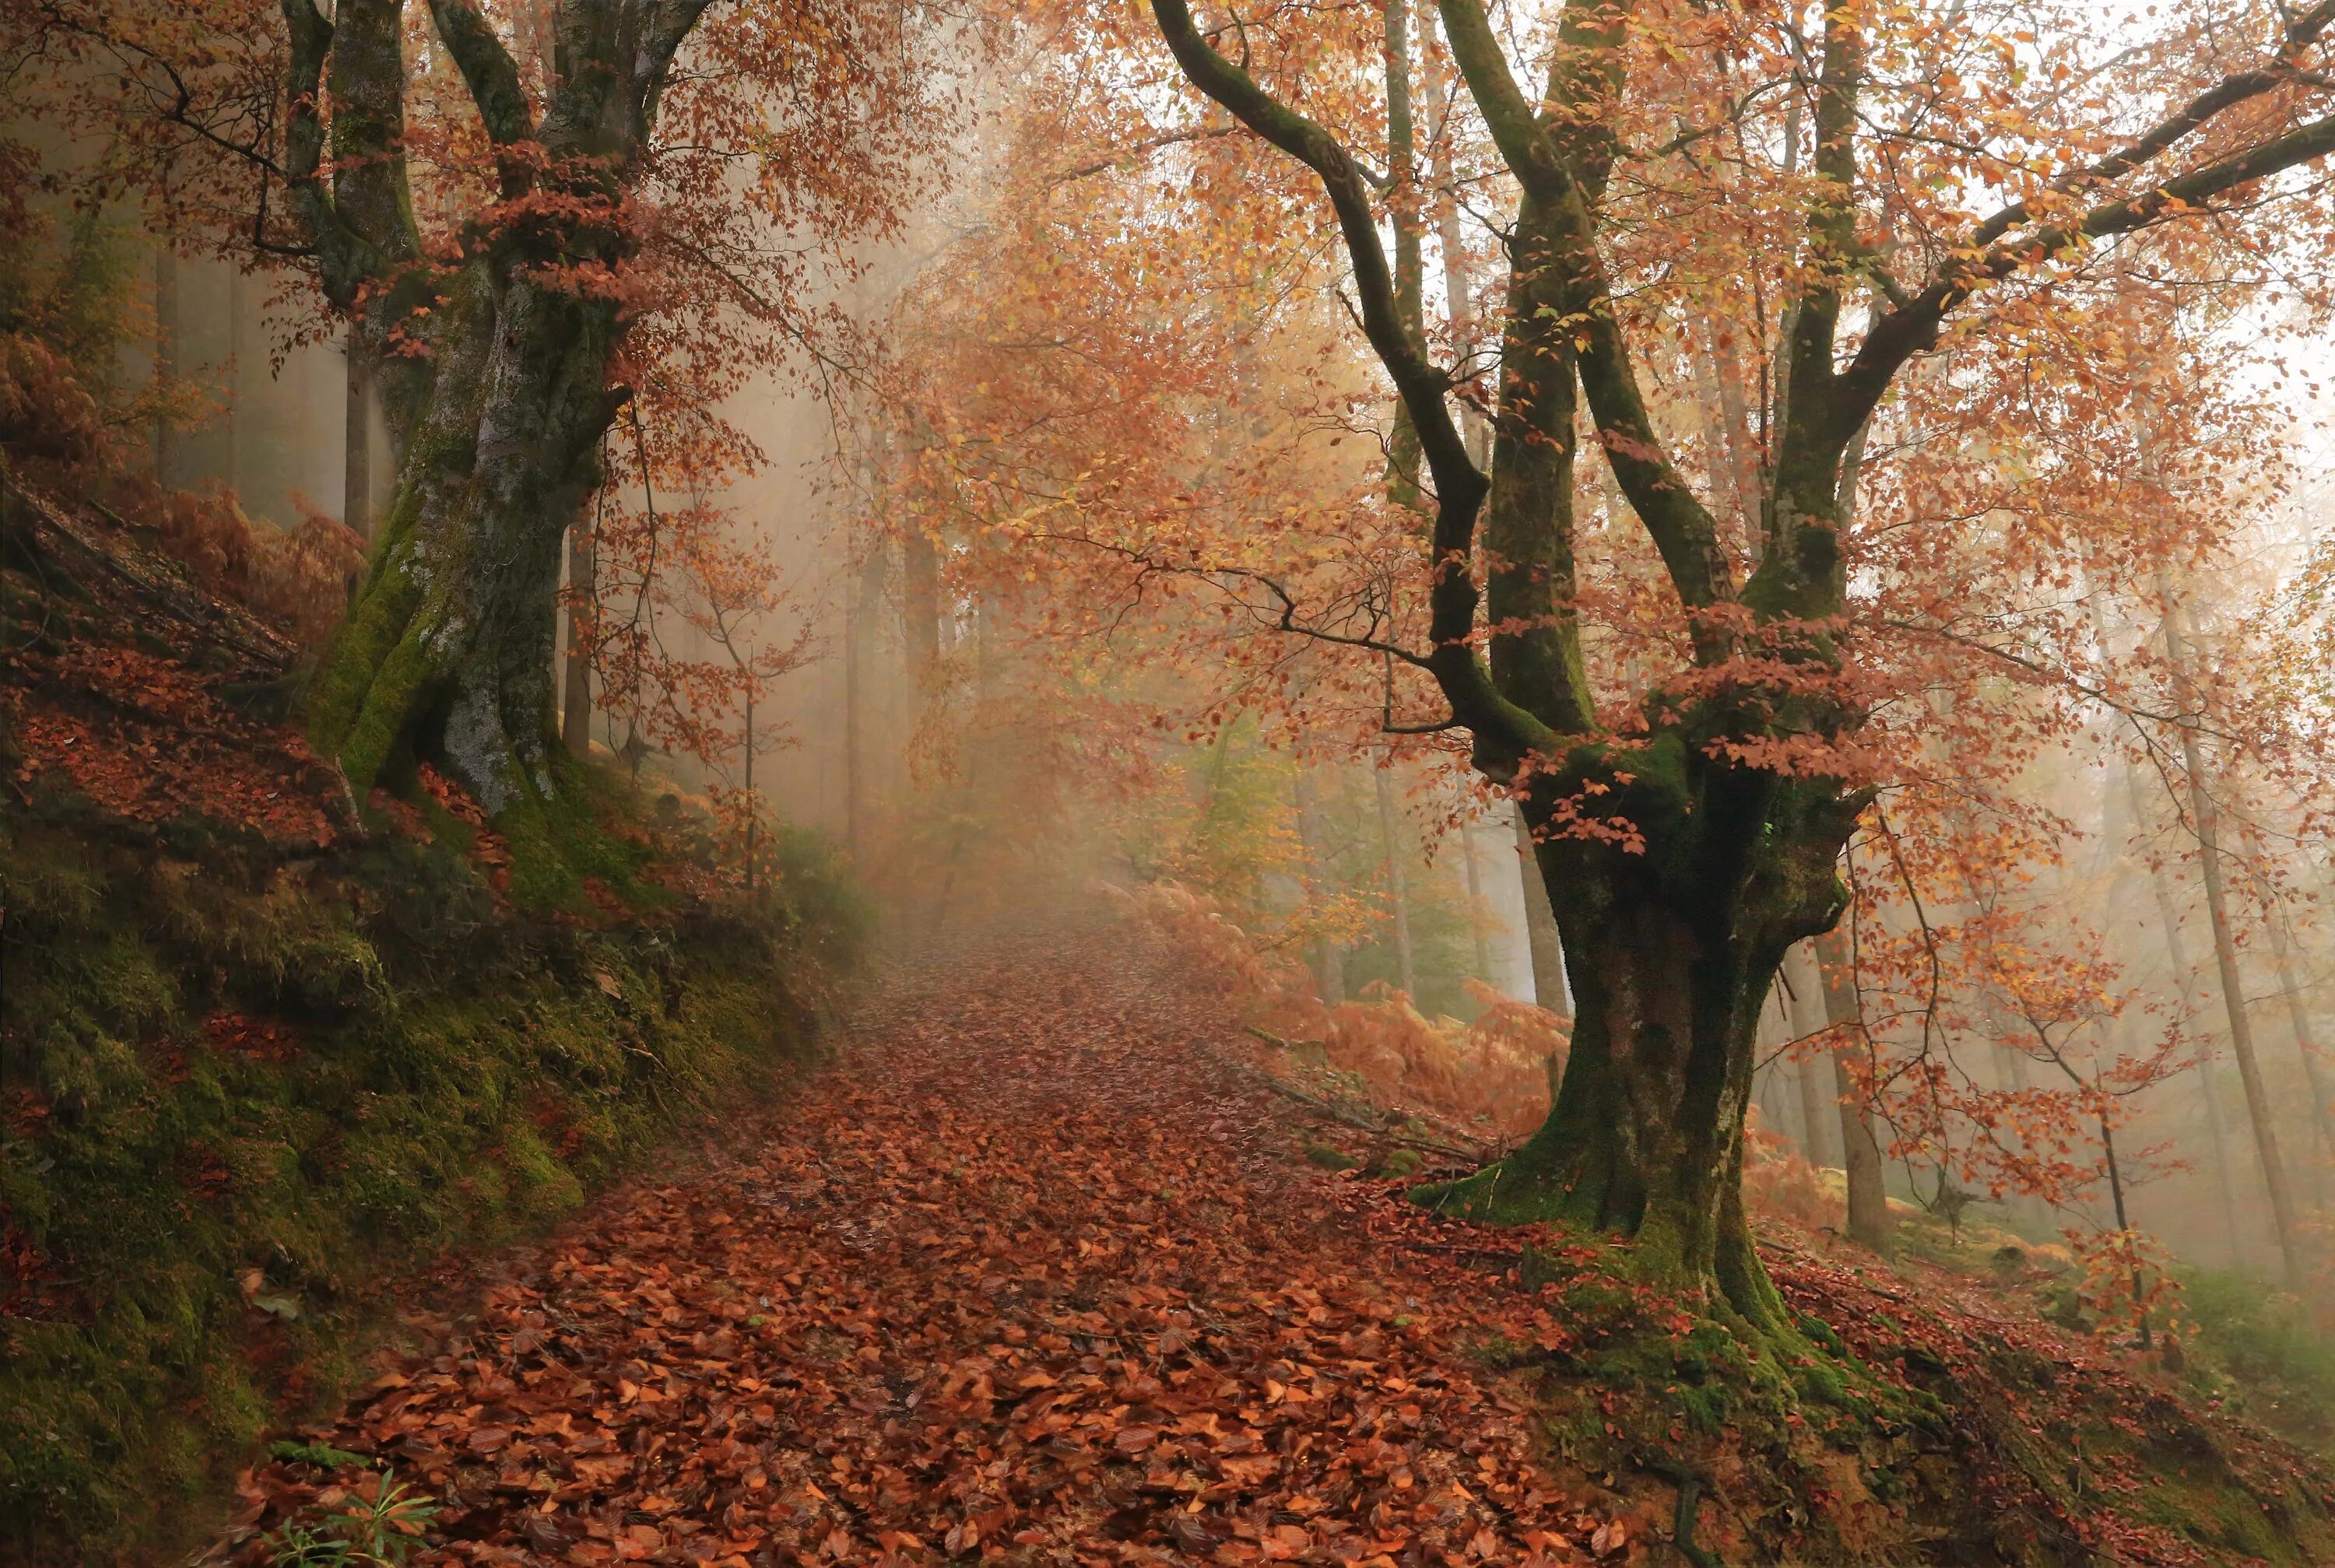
(1025, 1275)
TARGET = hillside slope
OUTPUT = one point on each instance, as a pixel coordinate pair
(267, 1051)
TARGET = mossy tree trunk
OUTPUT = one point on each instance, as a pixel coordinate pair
(1686, 848)
(447, 655)
(1676, 905)
(1673, 952)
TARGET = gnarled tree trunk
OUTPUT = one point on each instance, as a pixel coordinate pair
(1672, 953)
(449, 651)
(447, 654)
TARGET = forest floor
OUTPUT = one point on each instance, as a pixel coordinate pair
(1034, 1271)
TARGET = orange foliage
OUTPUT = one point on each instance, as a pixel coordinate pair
(1496, 1070)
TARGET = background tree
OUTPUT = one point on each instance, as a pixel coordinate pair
(532, 219)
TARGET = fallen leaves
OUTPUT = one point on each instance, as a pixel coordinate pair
(145, 738)
(1025, 1273)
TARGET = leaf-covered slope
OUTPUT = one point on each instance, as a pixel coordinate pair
(264, 1054)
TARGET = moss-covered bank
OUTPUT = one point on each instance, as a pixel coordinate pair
(247, 1086)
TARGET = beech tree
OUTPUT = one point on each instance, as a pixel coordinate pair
(1690, 834)
(531, 217)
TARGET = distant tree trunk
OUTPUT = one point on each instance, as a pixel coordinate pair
(232, 422)
(753, 806)
(1397, 884)
(1774, 1106)
(858, 678)
(1543, 941)
(2299, 1017)
(1329, 965)
(576, 695)
(1869, 1223)
(2226, 956)
(1476, 901)
(2216, 1136)
(166, 359)
(356, 428)
(1811, 1076)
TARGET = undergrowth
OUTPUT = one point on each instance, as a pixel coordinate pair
(2257, 1348)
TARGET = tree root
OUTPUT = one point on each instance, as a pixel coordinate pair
(1690, 1484)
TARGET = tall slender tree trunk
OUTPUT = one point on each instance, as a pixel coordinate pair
(1543, 941)
(1397, 884)
(356, 435)
(2320, 1111)
(753, 806)
(583, 603)
(1476, 901)
(1869, 1223)
(858, 684)
(1811, 1075)
(2124, 1221)
(1329, 965)
(2204, 819)
(232, 423)
(166, 359)
(2217, 1137)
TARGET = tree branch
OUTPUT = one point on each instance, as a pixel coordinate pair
(487, 71)
(2191, 117)
(1459, 484)
(343, 260)
(1913, 327)
(1681, 528)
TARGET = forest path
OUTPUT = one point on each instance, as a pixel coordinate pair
(1027, 1274)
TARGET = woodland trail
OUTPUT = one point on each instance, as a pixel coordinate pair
(1027, 1274)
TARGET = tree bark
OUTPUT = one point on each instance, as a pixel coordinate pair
(449, 651)
(2225, 957)
(1869, 1223)
(1646, 1135)
(1397, 884)
(1542, 939)
(1672, 955)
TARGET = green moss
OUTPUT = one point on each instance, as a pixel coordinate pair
(211, 1219)
(380, 624)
